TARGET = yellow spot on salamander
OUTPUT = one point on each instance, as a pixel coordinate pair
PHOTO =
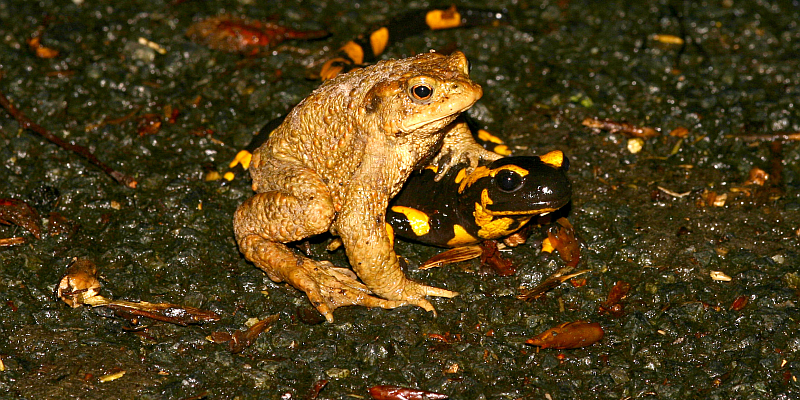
(461, 237)
(333, 67)
(378, 40)
(482, 172)
(354, 52)
(433, 168)
(418, 220)
(229, 176)
(481, 214)
(502, 149)
(443, 19)
(496, 229)
(461, 174)
(488, 137)
(478, 173)
(485, 199)
(554, 158)
(212, 176)
(242, 157)
(390, 232)
(492, 228)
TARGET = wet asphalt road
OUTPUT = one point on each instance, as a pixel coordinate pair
(661, 219)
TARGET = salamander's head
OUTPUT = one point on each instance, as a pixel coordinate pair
(511, 190)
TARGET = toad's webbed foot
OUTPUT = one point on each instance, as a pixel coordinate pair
(329, 288)
(472, 153)
(414, 293)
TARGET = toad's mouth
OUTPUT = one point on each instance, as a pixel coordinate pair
(433, 119)
(429, 121)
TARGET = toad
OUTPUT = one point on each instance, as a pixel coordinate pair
(334, 164)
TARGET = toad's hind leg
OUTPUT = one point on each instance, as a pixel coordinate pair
(294, 203)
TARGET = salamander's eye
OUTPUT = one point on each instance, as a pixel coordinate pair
(508, 181)
(421, 92)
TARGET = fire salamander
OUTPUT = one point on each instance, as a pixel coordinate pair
(492, 202)
(365, 50)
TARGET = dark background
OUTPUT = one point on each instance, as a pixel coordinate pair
(554, 64)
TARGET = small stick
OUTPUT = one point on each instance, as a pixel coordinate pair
(551, 282)
(12, 241)
(625, 128)
(26, 123)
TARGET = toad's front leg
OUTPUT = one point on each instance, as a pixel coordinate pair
(458, 146)
(362, 228)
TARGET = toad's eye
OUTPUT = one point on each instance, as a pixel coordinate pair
(508, 181)
(421, 92)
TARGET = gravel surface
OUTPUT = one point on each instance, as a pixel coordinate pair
(662, 219)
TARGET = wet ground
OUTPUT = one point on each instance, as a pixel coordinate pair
(733, 84)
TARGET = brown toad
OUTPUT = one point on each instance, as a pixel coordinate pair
(337, 160)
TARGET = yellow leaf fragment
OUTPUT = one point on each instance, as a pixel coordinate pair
(112, 377)
(720, 200)
(668, 39)
(720, 276)
(452, 369)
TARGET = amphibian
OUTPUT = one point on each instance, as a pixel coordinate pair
(492, 202)
(336, 161)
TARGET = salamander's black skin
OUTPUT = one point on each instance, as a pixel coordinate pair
(491, 203)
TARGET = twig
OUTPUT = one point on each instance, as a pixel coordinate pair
(551, 282)
(12, 241)
(624, 128)
(26, 123)
(673, 194)
(80, 286)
